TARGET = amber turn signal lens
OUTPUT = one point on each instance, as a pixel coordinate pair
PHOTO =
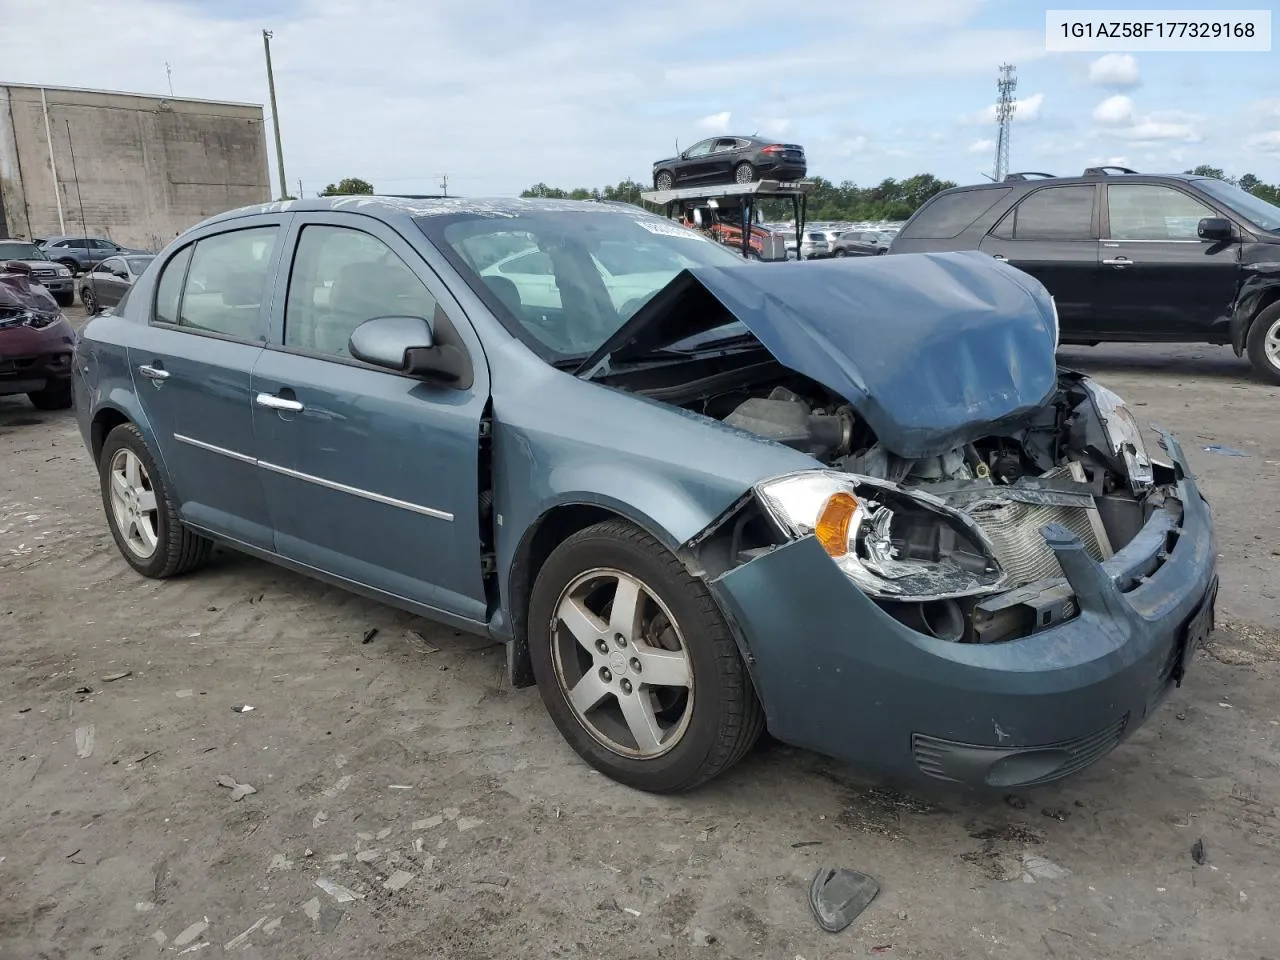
(832, 529)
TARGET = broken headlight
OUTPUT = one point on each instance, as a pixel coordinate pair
(1124, 436)
(894, 544)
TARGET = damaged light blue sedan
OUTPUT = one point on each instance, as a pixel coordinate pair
(854, 502)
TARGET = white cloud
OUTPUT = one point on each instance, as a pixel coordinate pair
(1026, 110)
(1114, 110)
(1118, 70)
(774, 126)
(982, 146)
(1263, 110)
(1268, 142)
(716, 122)
(1107, 162)
(1148, 129)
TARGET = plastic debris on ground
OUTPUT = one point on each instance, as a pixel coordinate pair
(837, 896)
(84, 741)
(242, 708)
(113, 677)
(1224, 451)
(1197, 852)
(336, 890)
(238, 790)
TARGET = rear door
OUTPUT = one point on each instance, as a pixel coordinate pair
(208, 324)
(725, 155)
(1159, 280)
(1052, 235)
(370, 475)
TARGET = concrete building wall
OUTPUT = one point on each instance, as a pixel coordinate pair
(148, 167)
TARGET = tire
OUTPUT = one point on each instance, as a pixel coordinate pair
(56, 396)
(71, 265)
(65, 300)
(89, 299)
(176, 549)
(664, 180)
(713, 721)
(744, 173)
(840, 252)
(1263, 344)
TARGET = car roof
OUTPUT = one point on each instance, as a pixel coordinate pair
(1017, 180)
(78, 236)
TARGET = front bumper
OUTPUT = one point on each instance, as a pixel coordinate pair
(56, 284)
(837, 675)
(32, 358)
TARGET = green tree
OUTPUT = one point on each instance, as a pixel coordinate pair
(348, 186)
(1204, 170)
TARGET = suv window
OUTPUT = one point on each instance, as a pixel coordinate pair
(341, 278)
(227, 281)
(169, 289)
(102, 245)
(947, 216)
(1052, 213)
(1148, 211)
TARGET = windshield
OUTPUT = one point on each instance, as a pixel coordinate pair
(1254, 209)
(20, 250)
(564, 281)
(138, 264)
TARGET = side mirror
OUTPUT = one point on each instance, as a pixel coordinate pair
(1214, 228)
(406, 345)
(122, 274)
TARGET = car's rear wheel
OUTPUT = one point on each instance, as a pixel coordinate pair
(663, 181)
(89, 300)
(841, 252)
(55, 396)
(1264, 343)
(141, 512)
(636, 664)
(744, 173)
(71, 265)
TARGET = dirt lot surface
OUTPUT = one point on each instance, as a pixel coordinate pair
(410, 804)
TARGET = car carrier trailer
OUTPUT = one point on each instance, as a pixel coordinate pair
(747, 195)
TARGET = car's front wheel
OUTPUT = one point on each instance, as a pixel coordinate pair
(1264, 343)
(636, 664)
(663, 181)
(141, 511)
(89, 299)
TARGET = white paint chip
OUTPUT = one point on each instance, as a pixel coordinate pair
(469, 823)
(312, 909)
(383, 833)
(189, 934)
(368, 856)
(272, 925)
(84, 741)
(398, 880)
(337, 788)
(427, 824)
(338, 891)
(237, 941)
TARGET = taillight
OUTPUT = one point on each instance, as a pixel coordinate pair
(774, 148)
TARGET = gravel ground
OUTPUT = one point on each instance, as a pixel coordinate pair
(409, 804)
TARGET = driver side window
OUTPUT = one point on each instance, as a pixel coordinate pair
(700, 149)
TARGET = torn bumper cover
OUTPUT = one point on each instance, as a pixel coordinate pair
(838, 675)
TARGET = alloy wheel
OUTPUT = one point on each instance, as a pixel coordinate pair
(1271, 344)
(743, 174)
(133, 504)
(622, 664)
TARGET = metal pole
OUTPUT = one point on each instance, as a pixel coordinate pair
(53, 167)
(275, 112)
(84, 229)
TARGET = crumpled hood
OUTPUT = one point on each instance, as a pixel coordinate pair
(933, 350)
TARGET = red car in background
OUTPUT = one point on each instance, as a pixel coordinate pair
(36, 341)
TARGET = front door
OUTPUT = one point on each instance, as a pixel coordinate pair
(1159, 280)
(370, 475)
(696, 167)
(208, 325)
(1051, 235)
(108, 287)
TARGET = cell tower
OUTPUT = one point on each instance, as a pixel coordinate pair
(1005, 106)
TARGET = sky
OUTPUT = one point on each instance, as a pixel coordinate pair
(501, 94)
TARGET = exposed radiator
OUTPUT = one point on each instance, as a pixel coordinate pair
(1014, 530)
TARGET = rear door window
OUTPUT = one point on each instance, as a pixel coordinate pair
(227, 281)
(1053, 213)
(1149, 211)
(947, 216)
(169, 289)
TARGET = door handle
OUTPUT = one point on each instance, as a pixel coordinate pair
(999, 256)
(278, 403)
(1118, 262)
(153, 373)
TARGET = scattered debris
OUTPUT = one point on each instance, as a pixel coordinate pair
(837, 896)
(113, 677)
(271, 925)
(183, 694)
(336, 857)
(83, 691)
(189, 934)
(241, 708)
(702, 938)
(369, 635)
(148, 756)
(144, 906)
(24, 709)
(494, 880)
(631, 910)
(319, 820)
(337, 788)
(1041, 868)
(1010, 832)
(1015, 801)
(451, 813)
(399, 786)
(1055, 813)
(368, 856)
(468, 823)
(308, 852)
(806, 843)
(237, 941)
(195, 948)
(278, 862)
(417, 844)
(383, 833)
(1197, 851)
(337, 891)
(1224, 451)
(160, 938)
(312, 909)
(428, 823)
(238, 790)
(882, 948)
(419, 643)
(398, 880)
(84, 741)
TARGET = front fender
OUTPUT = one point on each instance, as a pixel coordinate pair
(1258, 289)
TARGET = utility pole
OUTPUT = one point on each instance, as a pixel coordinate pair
(1005, 107)
(169, 72)
(84, 229)
(444, 184)
(299, 188)
(275, 112)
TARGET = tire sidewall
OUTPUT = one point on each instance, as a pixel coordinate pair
(1265, 320)
(576, 556)
(129, 437)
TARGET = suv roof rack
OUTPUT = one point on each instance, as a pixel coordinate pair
(1026, 174)
(1105, 171)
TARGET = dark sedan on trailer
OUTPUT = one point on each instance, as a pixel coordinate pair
(695, 496)
(730, 159)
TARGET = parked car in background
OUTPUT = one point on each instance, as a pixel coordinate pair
(54, 277)
(36, 341)
(859, 243)
(107, 283)
(813, 245)
(82, 253)
(730, 159)
(1127, 256)
(915, 545)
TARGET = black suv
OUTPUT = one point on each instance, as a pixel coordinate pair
(1127, 256)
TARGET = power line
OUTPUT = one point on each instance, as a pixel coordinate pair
(1005, 107)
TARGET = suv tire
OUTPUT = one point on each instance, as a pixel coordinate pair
(1263, 343)
(55, 396)
(677, 627)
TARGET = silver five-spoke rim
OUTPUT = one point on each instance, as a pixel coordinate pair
(133, 501)
(1271, 344)
(622, 664)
